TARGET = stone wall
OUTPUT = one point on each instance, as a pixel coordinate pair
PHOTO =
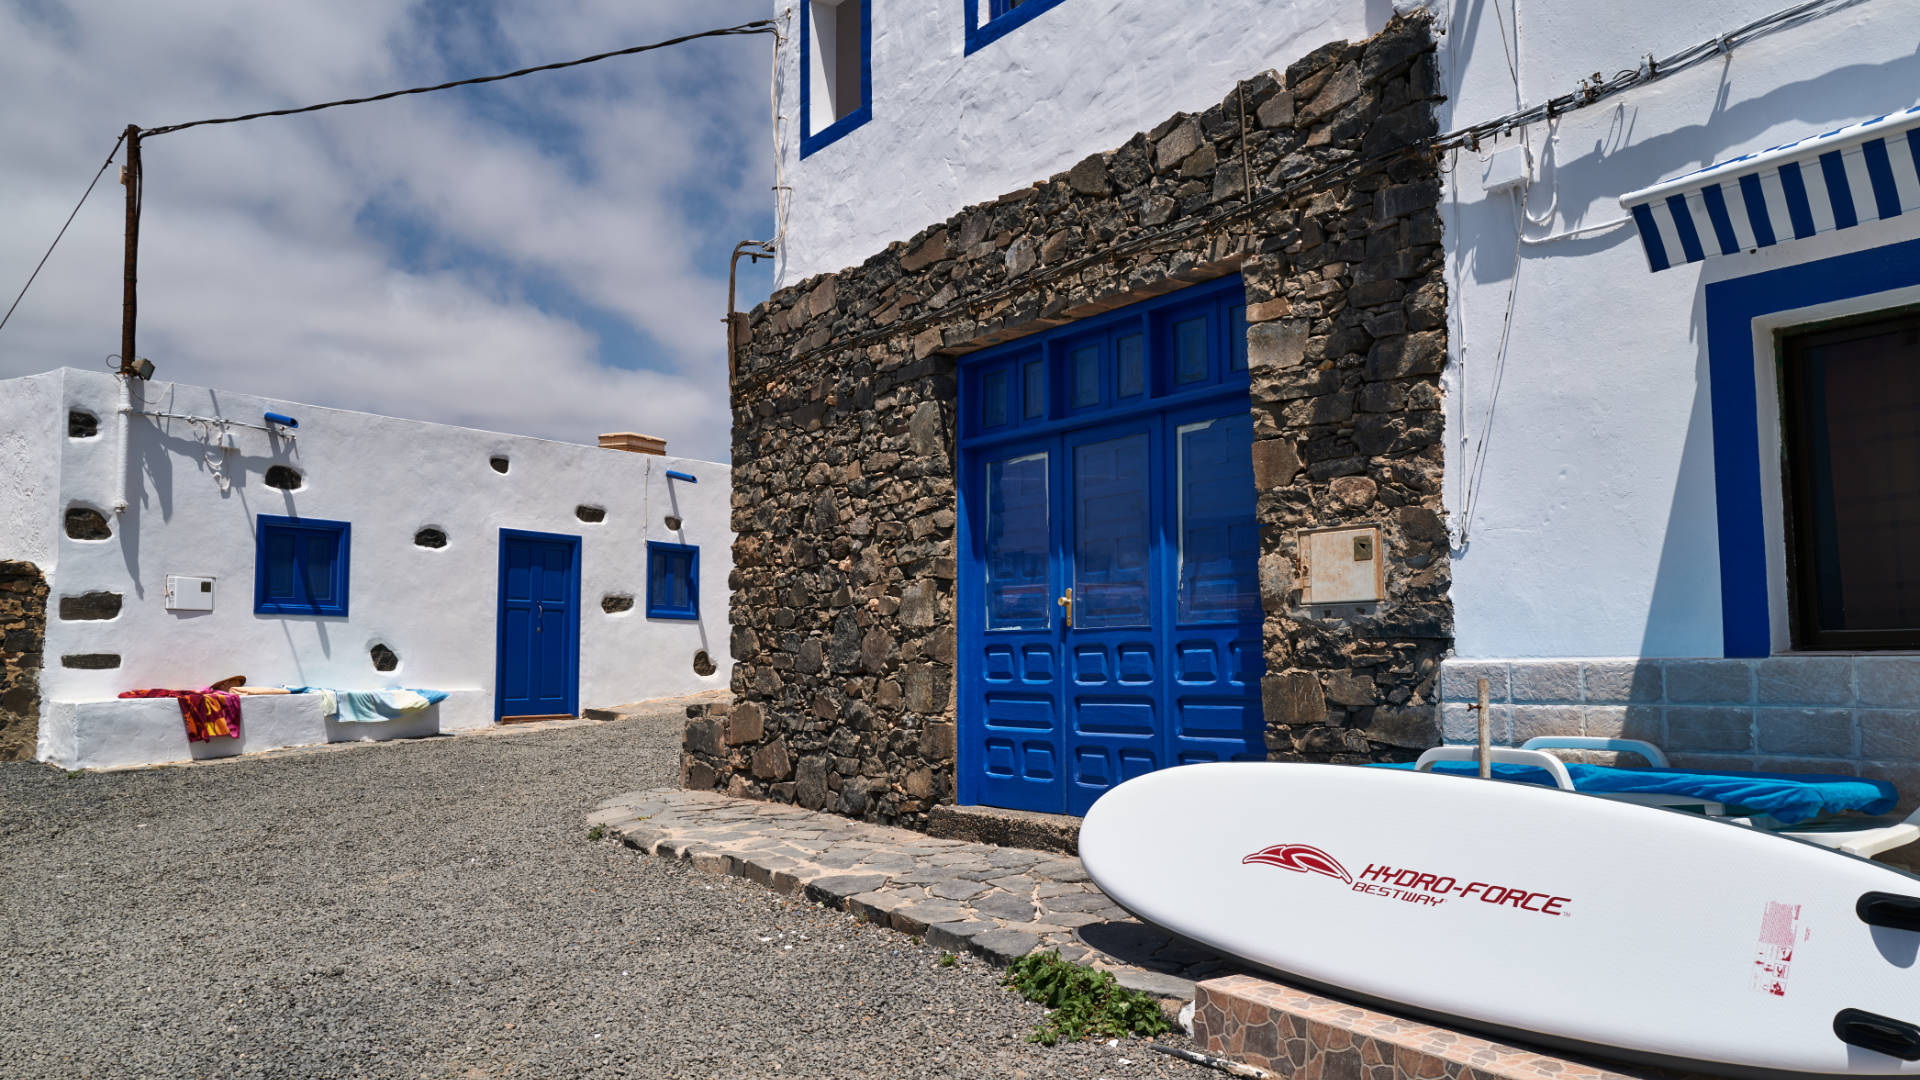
(23, 633)
(844, 406)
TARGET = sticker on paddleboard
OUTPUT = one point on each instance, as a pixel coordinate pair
(1773, 956)
(1410, 886)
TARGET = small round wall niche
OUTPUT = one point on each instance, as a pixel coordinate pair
(383, 657)
(430, 537)
(703, 664)
(499, 464)
(82, 424)
(592, 515)
(284, 477)
(615, 603)
(674, 523)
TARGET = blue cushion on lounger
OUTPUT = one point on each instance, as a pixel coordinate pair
(1789, 797)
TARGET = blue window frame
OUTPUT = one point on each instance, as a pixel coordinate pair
(1732, 306)
(300, 565)
(673, 581)
(836, 70)
(990, 20)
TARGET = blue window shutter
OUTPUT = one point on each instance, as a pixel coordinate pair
(673, 581)
(300, 566)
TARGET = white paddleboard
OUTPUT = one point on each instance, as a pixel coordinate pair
(1567, 919)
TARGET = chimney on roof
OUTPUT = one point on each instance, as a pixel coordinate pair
(633, 442)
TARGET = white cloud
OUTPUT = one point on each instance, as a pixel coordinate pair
(622, 185)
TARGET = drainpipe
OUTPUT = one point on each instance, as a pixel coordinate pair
(754, 250)
(124, 421)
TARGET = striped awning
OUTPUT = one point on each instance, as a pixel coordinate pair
(1866, 172)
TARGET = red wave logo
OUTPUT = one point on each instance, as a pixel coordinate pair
(1300, 858)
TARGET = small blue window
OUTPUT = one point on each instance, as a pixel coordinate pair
(989, 20)
(836, 70)
(300, 566)
(673, 581)
(1237, 330)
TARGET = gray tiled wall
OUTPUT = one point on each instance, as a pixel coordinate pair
(1834, 714)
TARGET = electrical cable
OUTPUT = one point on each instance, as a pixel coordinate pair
(1592, 91)
(1476, 469)
(63, 229)
(758, 26)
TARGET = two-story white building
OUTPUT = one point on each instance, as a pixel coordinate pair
(1160, 383)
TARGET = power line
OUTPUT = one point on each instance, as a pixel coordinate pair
(63, 229)
(758, 26)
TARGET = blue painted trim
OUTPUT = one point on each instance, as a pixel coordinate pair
(263, 524)
(812, 141)
(1731, 308)
(656, 608)
(500, 619)
(674, 474)
(983, 32)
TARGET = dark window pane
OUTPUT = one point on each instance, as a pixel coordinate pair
(993, 391)
(1036, 396)
(1190, 351)
(322, 549)
(1237, 330)
(1219, 540)
(1854, 452)
(1131, 358)
(281, 581)
(1085, 363)
(1112, 533)
(1019, 592)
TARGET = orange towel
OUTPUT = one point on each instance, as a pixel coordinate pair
(208, 713)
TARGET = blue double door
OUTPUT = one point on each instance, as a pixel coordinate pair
(1115, 615)
(538, 667)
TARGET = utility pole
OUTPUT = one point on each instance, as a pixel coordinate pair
(129, 301)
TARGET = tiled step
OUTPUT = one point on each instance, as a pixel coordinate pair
(1293, 1033)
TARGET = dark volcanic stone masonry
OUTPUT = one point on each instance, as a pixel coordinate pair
(23, 635)
(844, 405)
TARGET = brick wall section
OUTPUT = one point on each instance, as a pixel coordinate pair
(844, 407)
(23, 633)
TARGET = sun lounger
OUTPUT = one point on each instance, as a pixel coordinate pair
(1804, 806)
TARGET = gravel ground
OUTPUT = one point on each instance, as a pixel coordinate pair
(435, 909)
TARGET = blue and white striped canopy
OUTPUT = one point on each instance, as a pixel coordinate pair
(1866, 172)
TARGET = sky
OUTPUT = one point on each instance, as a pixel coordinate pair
(545, 256)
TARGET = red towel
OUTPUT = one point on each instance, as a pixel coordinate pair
(208, 713)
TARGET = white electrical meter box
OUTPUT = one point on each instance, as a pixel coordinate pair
(189, 593)
(1344, 566)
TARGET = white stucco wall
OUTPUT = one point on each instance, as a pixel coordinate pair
(435, 608)
(949, 130)
(30, 417)
(1593, 528)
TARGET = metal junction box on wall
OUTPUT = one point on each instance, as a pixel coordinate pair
(1343, 566)
(189, 593)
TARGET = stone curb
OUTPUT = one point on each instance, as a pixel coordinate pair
(947, 892)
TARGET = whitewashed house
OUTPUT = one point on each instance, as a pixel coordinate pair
(160, 535)
(1229, 409)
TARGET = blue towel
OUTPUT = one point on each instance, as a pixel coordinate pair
(374, 706)
(1790, 798)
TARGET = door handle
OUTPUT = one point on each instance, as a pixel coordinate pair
(540, 617)
(1067, 603)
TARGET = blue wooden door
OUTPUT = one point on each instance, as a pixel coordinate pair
(538, 670)
(1110, 619)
